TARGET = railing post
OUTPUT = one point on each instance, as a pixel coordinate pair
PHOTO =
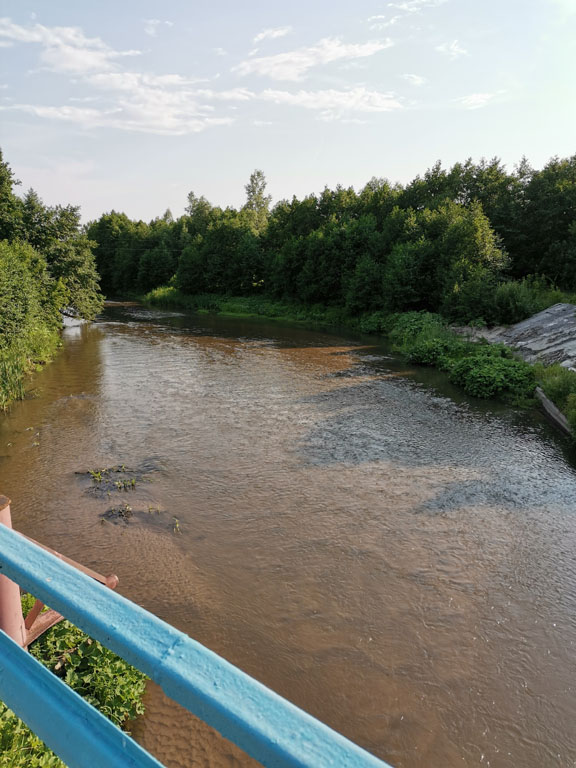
(11, 618)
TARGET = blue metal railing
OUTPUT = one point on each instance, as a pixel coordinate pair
(262, 723)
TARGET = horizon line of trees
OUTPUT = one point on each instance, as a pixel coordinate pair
(454, 240)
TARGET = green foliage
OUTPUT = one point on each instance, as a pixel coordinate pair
(409, 328)
(482, 370)
(490, 375)
(257, 202)
(557, 383)
(433, 352)
(29, 317)
(46, 264)
(101, 677)
(373, 322)
(105, 680)
(19, 747)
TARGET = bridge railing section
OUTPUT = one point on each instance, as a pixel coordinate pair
(259, 721)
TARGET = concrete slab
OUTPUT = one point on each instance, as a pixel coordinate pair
(549, 336)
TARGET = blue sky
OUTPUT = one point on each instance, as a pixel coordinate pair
(131, 105)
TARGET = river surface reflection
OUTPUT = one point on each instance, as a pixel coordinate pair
(394, 558)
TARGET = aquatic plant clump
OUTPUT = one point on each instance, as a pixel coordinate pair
(151, 516)
(111, 479)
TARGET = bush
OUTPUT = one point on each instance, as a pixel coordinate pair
(408, 327)
(488, 375)
(374, 322)
(429, 351)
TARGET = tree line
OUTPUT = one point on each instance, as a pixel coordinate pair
(465, 241)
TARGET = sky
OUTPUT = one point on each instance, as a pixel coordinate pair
(129, 106)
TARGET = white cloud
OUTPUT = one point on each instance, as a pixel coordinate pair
(416, 6)
(407, 8)
(272, 33)
(165, 104)
(334, 104)
(174, 104)
(233, 94)
(476, 100)
(151, 26)
(220, 52)
(65, 49)
(454, 50)
(415, 79)
(84, 99)
(137, 82)
(294, 65)
(262, 123)
(383, 22)
(140, 118)
(6, 44)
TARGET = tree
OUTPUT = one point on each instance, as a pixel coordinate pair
(10, 209)
(36, 220)
(256, 208)
(156, 267)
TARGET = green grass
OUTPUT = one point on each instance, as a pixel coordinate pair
(21, 358)
(251, 306)
(559, 384)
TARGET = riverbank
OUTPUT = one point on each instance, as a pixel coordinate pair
(482, 369)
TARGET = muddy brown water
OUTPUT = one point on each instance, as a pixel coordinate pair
(390, 556)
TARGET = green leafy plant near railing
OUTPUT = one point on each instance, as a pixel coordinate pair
(101, 677)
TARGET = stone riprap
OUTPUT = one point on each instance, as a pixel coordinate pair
(548, 337)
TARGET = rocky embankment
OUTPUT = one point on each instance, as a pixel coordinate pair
(548, 337)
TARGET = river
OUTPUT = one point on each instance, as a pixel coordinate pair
(393, 557)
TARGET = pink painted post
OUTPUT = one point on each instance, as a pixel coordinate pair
(11, 619)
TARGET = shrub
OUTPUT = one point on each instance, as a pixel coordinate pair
(407, 327)
(487, 375)
(374, 322)
(429, 351)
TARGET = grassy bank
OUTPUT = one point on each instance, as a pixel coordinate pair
(29, 317)
(482, 370)
(20, 359)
